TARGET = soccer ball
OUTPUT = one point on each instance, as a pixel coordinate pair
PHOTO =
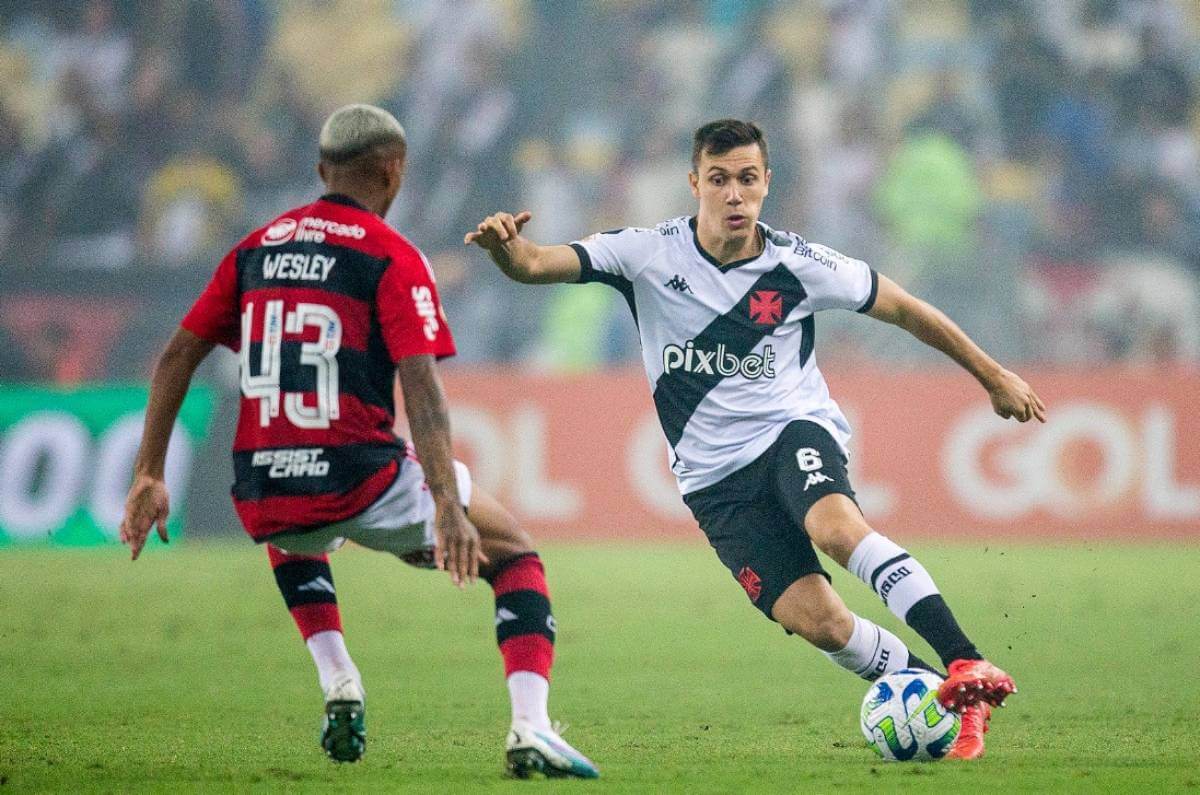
(903, 720)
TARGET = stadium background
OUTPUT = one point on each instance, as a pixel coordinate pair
(1032, 167)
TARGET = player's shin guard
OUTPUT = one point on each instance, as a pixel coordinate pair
(873, 651)
(525, 630)
(525, 627)
(306, 582)
(909, 592)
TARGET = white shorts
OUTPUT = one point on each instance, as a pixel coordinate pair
(400, 521)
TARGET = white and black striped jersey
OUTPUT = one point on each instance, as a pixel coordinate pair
(728, 349)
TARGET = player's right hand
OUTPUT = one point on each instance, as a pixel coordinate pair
(146, 504)
(498, 229)
(1015, 399)
(457, 548)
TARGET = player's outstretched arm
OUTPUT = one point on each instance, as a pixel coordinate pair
(147, 503)
(1010, 395)
(520, 258)
(457, 548)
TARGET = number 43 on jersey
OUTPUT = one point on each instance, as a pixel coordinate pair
(320, 354)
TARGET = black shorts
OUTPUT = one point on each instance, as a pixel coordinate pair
(754, 518)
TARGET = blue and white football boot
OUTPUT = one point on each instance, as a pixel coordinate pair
(532, 750)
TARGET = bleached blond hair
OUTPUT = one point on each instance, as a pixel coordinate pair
(356, 130)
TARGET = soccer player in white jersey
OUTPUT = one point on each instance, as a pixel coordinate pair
(724, 306)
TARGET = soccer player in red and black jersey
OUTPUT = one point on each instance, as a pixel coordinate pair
(326, 305)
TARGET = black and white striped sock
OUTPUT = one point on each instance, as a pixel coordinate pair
(910, 593)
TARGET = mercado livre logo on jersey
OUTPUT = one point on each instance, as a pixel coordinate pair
(309, 229)
(723, 362)
(279, 232)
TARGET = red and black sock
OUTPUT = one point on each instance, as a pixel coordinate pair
(525, 626)
(306, 582)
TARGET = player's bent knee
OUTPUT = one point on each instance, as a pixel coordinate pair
(836, 526)
(498, 529)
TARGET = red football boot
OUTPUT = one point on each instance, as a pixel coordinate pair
(974, 724)
(972, 681)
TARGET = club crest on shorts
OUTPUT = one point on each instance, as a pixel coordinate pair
(751, 582)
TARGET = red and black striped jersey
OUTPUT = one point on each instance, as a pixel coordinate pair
(321, 303)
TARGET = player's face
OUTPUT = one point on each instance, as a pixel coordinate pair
(731, 188)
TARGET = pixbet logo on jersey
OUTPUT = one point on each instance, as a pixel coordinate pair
(722, 362)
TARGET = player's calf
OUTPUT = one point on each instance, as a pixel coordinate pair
(811, 609)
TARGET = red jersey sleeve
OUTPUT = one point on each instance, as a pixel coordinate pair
(410, 312)
(215, 316)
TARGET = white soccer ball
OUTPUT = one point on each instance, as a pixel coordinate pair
(903, 720)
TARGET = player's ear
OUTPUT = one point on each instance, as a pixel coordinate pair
(767, 182)
(694, 181)
(321, 171)
(395, 173)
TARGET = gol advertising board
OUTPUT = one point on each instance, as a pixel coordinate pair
(66, 457)
(583, 457)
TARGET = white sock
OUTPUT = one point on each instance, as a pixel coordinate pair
(871, 652)
(328, 651)
(897, 577)
(529, 693)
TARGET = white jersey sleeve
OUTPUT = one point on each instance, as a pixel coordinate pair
(835, 281)
(616, 255)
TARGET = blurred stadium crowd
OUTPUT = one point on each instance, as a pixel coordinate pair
(1032, 167)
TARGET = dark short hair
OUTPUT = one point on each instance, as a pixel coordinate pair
(718, 137)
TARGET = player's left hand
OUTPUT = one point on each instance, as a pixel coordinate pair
(1013, 398)
(147, 504)
(457, 548)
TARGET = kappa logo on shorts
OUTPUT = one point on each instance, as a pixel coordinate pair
(816, 477)
(751, 582)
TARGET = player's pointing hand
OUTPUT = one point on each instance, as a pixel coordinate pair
(1012, 397)
(498, 229)
(147, 504)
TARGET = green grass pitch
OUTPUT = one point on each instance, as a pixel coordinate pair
(184, 672)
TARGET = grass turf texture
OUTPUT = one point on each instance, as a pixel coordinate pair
(184, 672)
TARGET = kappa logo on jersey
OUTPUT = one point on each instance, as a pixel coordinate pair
(766, 307)
(691, 359)
(300, 462)
(750, 582)
(279, 232)
(306, 267)
(679, 283)
(423, 300)
(317, 584)
(816, 477)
